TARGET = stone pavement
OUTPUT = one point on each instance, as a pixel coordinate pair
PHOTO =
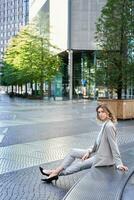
(25, 184)
(67, 125)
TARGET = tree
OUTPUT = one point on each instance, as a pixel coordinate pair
(32, 55)
(115, 38)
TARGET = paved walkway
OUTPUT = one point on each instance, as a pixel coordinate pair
(25, 184)
(66, 125)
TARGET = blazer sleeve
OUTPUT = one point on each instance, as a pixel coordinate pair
(111, 135)
(93, 148)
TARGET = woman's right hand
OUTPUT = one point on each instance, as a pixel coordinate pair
(86, 156)
(122, 167)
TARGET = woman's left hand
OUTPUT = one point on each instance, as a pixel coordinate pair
(122, 168)
(86, 156)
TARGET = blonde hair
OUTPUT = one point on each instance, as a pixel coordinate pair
(108, 110)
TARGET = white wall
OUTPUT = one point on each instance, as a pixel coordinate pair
(35, 6)
(59, 23)
(84, 14)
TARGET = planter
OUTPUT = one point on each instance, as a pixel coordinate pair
(123, 109)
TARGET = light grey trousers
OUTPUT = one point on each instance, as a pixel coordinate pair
(73, 163)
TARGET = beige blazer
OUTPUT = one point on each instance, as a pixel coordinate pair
(107, 152)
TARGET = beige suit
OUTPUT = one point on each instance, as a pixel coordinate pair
(103, 154)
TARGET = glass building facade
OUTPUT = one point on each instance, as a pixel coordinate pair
(72, 29)
(13, 15)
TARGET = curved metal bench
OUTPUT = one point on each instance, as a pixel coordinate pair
(102, 183)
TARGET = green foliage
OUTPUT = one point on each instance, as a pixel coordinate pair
(30, 57)
(115, 36)
(9, 75)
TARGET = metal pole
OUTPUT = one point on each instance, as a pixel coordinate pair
(70, 72)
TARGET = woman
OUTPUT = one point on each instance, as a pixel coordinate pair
(104, 152)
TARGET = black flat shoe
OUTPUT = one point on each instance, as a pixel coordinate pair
(49, 180)
(41, 170)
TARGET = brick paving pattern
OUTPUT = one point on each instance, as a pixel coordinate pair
(38, 133)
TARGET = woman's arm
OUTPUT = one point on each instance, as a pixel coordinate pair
(89, 151)
(111, 135)
(93, 148)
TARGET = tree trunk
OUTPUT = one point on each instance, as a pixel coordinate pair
(123, 52)
(41, 88)
(119, 93)
(36, 88)
(49, 89)
(12, 88)
(26, 89)
(21, 89)
(16, 87)
(31, 86)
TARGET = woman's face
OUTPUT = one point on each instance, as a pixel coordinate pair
(102, 114)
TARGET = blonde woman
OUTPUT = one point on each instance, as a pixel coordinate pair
(104, 152)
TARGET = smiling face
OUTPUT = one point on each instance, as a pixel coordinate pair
(103, 115)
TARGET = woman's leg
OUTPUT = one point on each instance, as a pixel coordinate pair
(68, 160)
(78, 166)
(71, 156)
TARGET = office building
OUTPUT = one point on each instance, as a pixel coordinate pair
(72, 29)
(14, 14)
